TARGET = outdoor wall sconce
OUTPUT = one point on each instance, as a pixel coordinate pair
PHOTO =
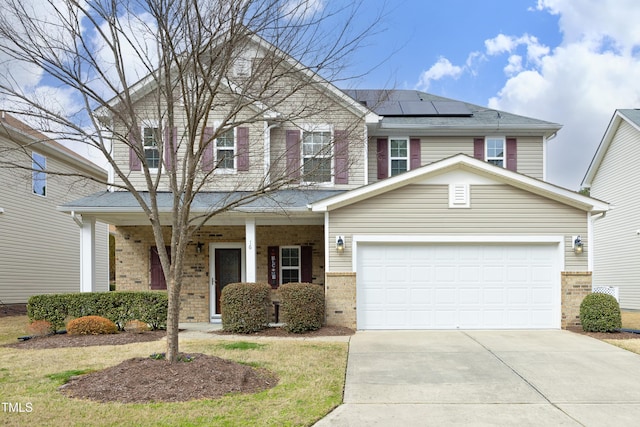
(340, 244)
(199, 247)
(577, 245)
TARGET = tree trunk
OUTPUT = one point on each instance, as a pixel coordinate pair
(173, 317)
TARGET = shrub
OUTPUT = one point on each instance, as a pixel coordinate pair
(302, 306)
(40, 328)
(91, 325)
(600, 313)
(119, 307)
(245, 307)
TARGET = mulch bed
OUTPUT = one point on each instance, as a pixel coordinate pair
(606, 335)
(142, 380)
(66, 340)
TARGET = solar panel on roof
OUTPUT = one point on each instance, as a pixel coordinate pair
(451, 108)
(418, 108)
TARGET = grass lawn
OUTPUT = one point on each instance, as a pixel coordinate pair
(311, 383)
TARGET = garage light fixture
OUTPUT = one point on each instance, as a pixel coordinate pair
(340, 244)
(577, 245)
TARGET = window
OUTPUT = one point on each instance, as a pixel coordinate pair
(290, 264)
(316, 156)
(150, 138)
(39, 177)
(398, 155)
(495, 151)
(225, 150)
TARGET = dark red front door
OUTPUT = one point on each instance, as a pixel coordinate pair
(228, 270)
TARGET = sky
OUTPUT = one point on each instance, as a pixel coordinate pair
(572, 62)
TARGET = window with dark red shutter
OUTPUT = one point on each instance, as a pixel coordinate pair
(383, 158)
(512, 154)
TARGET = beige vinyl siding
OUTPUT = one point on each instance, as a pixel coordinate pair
(308, 106)
(435, 148)
(531, 156)
(40, 246)
(617, 244)
(424, 210)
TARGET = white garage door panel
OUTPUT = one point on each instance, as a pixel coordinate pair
(422, 286)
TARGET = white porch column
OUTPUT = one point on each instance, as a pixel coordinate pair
(250, 249)
(87, 254)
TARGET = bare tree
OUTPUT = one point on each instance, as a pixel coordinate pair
(185, 64)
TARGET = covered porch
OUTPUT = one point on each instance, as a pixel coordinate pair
(275, 239)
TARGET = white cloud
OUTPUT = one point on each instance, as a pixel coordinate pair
(442, 68)
(303, 10)
(579, 83)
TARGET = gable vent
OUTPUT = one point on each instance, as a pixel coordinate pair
(459, 196)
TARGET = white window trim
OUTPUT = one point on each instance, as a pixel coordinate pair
(151, 124)
(226, 171)
(39, 171)
(459, 196)
(406, 158)
(299, 268)
(504, 151)
(318, 128)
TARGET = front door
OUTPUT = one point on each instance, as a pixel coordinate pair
(228, 269)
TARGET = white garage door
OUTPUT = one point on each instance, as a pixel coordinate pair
(438, 286)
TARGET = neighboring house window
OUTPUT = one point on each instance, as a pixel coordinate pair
(225, 150)
(398, 155)
(290, 264)
(495, 151)
(150, 138)
(39, 177)
(316, 156)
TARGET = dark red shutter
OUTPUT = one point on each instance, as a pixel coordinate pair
(306, 257)
(341, 165)
(242, 134)
(207, 153)
(170, 147)
(512, 154)
(414, 153)
(383, 158)
(478, 148)
(293, 153)
(273, 266)
(158, 281)
(134, 160)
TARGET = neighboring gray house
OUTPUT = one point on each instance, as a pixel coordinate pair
(614, 176)
(442, 219)
(40, 247)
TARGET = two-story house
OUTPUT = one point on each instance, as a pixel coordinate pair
(41, 248)
(414, 211)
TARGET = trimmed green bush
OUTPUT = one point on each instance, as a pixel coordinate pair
(302, 306)
(91, 325)
(119, 307)
(245, 307)
(600, 313)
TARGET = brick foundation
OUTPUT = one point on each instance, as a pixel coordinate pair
(575, 286)
(340, 299)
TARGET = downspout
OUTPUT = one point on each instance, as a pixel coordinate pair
(592, 243)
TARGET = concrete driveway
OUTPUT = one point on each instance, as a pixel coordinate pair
(418, 378)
